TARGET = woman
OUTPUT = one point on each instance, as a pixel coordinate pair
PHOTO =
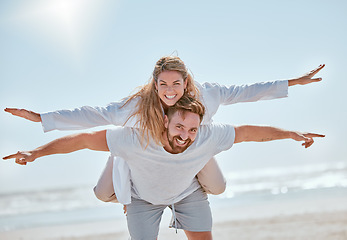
(145, 110)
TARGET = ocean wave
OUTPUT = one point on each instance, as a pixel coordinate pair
(53, 200)
(284, 180)
(262, 181)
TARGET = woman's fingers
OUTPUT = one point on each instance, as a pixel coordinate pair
(23, 113)
(13, 111)
(316, 70)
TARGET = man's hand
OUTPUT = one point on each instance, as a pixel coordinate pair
(23, 113)
(307, 77)
(249, 133)
(307, 137)
(22, 157)
(71, 143)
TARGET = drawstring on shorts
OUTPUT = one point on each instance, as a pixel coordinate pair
(174, 216)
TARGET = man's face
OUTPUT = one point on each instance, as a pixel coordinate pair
(181, 131)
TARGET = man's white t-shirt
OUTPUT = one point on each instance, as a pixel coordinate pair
(160, 177)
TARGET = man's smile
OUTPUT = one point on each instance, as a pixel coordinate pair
(181, 142)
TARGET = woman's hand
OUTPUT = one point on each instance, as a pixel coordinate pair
(23, 113)
(306, 78)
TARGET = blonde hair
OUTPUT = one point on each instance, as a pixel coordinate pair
(148, 110)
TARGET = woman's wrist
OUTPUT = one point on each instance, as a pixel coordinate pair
(292, 82)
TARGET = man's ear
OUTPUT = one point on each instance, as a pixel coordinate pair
(166, 121)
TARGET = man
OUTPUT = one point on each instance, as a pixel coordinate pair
(165, 175)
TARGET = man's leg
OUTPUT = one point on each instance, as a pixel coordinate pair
(104, 190)
(193, 215)
(211, 178)
(144, 219)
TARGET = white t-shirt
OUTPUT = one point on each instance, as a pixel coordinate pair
(160, 177)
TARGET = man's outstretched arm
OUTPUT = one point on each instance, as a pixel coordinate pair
(93, 141)
(248, 133)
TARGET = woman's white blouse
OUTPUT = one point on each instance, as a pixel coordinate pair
(212, 96)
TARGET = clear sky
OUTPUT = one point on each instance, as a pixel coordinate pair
(61, 54)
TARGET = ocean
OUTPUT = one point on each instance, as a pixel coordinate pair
(20, 210)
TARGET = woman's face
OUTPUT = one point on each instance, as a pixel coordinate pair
(170, 86)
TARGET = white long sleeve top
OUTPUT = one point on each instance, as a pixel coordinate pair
(212, 95)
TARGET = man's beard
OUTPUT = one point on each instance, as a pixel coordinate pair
(174, 146)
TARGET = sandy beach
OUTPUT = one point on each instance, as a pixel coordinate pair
(328, 225)
(304, 216)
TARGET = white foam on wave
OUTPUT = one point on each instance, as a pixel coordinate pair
(284, 180)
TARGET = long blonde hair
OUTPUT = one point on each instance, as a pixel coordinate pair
(148, 112)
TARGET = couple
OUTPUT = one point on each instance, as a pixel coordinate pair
(167, 148)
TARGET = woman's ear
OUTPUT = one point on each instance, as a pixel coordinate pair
(156, 85)
(185, 84)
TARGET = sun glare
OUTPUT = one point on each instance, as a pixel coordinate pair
(63, 23)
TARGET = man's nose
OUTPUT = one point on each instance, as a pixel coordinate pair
(184, 135)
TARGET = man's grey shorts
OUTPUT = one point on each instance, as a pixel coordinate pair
(193, 213)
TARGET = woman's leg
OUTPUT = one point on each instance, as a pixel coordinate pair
(211, 178)
(104, 190)
(198, 235)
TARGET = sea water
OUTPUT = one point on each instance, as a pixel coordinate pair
(20, 210)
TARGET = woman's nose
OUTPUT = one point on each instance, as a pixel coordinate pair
(169, 89)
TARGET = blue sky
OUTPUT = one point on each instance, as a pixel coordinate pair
(65, 54)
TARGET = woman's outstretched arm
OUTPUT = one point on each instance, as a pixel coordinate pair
(81, 118)
(213, 95)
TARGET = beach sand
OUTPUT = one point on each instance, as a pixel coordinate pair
(306, 216)
(318, 226)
